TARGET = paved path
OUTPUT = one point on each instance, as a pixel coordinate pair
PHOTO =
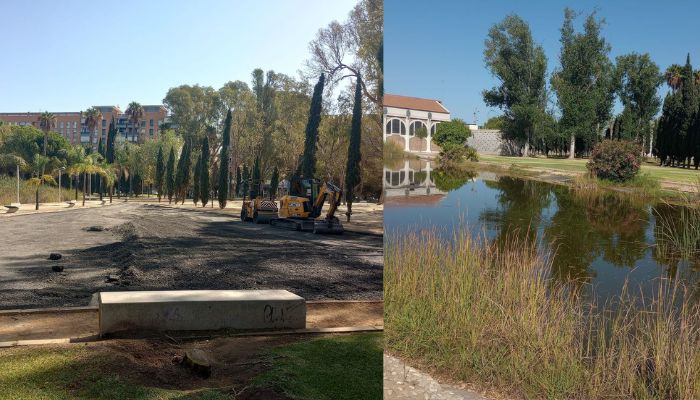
(402, 382)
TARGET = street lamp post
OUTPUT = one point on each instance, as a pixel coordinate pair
(60, 172)
(18, 183)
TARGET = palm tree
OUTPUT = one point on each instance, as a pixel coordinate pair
(90, 164)
(93, 116)
(673, 76)
(38, 166)
(46, 121)
(135, 113)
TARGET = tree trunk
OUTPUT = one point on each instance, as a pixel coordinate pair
(572, 147)
(36, 198)
(111, 191)
(84, 187)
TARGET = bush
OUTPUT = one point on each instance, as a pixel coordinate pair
(615, 160)
(453, 156)
(450, 134)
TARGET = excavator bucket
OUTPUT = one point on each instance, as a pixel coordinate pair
(333, 226)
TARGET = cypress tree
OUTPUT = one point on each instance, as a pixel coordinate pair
(238, 180)
(186, 173)
(197, 179)
(690, 107)
(204, 172)
(224, 162)
(160, 170)
(170, 176)
(274, 182)
(111, 136)
(309, 160)
(255, 188)
(352, 171)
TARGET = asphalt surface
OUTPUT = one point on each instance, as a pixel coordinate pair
(147, 247)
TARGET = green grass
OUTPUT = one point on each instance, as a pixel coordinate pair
(339, 367)
(493, 316)
(70, 373)
(662, 174)
(332, 368)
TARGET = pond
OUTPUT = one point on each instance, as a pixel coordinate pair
(601, 238)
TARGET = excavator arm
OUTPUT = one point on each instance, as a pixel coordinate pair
(330, 192)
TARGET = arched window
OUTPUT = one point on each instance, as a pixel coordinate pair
(395, 127)
(417, 126)
(433, 128)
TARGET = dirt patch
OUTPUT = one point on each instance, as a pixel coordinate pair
(147, 247)
(82, 324)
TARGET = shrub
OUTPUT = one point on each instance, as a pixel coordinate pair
(451, 157)
(615, 160)
(451, 134)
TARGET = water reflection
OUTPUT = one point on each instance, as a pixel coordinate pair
(601, 238)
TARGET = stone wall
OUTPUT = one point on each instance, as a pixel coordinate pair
(486, 141)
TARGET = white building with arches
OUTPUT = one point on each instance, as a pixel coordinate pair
(410, 122)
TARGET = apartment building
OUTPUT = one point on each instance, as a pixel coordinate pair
(72, 126)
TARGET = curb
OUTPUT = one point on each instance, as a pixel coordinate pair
(96, 308)
(342, 329)
(48, 310)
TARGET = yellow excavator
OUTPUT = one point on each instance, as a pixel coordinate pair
(257, 209)
(301, 208)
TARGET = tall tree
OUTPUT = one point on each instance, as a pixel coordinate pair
(160, 173)
(264, 90)
(520, 65)
(353, 49)
(352, 171)
(170, 176)
(182, 176)
(47, 121)
(135, 113)
(197, 187)
(224, 162)
(255, 181)
(274, 182)
(92, 116)
(246, 180)
(689, 97)
(238, 180)
(204, 172)
(637, 78)
(111, 137)
(309, 163)
(583, 83)
(673, 76)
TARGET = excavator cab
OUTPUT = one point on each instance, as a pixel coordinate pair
(301, 208)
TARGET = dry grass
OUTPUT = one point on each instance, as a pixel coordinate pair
(492, 315)
(47, 194)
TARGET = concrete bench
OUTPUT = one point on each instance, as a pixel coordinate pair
(71, 203)
(185, 310)
(12, 208)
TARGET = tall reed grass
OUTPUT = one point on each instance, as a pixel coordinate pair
(492, 315)
(678, 226)
(8, 192)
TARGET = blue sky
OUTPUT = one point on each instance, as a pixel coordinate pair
(435, 49)
(70, 55)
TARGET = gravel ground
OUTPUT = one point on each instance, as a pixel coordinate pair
(146, 247)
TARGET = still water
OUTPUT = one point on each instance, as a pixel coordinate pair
(597, 238)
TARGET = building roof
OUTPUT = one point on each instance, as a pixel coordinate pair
(414, 103)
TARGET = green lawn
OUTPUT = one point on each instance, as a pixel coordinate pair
(339, 367)
(336, 368)
(662, 174)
